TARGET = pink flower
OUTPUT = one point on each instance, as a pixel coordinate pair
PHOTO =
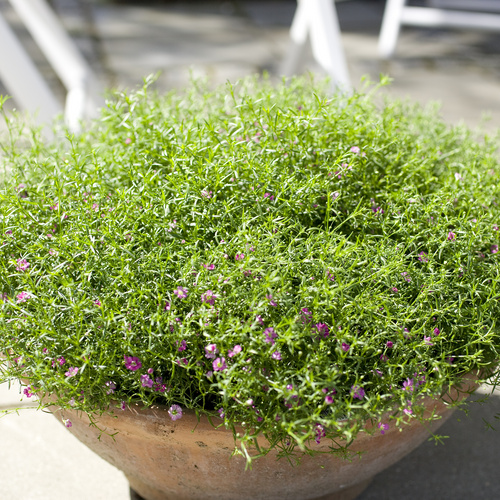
(427, 341)
(305, 315)
(159, 386)
(123, 406)
(219, 364)
(494, 248)
(357, 392)
(383, 357)
(72, 371)
(451, 236)
(345, 347)
(235, 350)
(111, 386)
(276, 355)
(208, 297)
(419, 378)
(328, 399)
(383, 427)
(210, 351)
(181, 292)
(355, 149)
(67, 423)
(22, 265)
(22, 297)
(175, 412)
(408, 384)
(128, 140)
(406, 276)
(27, 392)
(389, 344)
(167, 306)
(132, 363)
(182, 346)
(408, 411)
(422, 257)
(239, 256)
(210, 267)
(320, 433)
(259, 319)
(335, 195)
(97, 302)
(323, 330)
(270, 335)
(436, 331)
(146, 381)
(271, 301)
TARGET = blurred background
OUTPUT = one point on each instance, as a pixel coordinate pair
(125, 40)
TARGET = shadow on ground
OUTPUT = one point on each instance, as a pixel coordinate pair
(465, 467)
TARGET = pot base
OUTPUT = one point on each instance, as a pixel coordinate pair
(150, 493)
(191, 459)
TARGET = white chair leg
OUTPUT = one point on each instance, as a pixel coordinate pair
(298, 41)
(317, 20)
(391, 24)
(75, 108)
(23, 80)
(62, 54)
(326, 41)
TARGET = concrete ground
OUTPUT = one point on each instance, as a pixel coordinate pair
(39, 458)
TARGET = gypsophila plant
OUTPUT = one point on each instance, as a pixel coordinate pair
(288, 262)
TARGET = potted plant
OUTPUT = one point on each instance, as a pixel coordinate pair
(300, 271)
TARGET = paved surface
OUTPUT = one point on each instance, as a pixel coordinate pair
(39, 458)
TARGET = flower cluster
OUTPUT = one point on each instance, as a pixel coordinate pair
(253, 254)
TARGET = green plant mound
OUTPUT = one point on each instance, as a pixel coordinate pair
(285, 260)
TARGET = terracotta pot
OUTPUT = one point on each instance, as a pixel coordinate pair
(190, 460)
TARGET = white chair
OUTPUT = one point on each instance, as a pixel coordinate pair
(316, 20)
(463, 14)
(24, 81)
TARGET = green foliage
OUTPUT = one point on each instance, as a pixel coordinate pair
(347, 247)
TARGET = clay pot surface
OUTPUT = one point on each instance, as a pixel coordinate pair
(190, 460)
